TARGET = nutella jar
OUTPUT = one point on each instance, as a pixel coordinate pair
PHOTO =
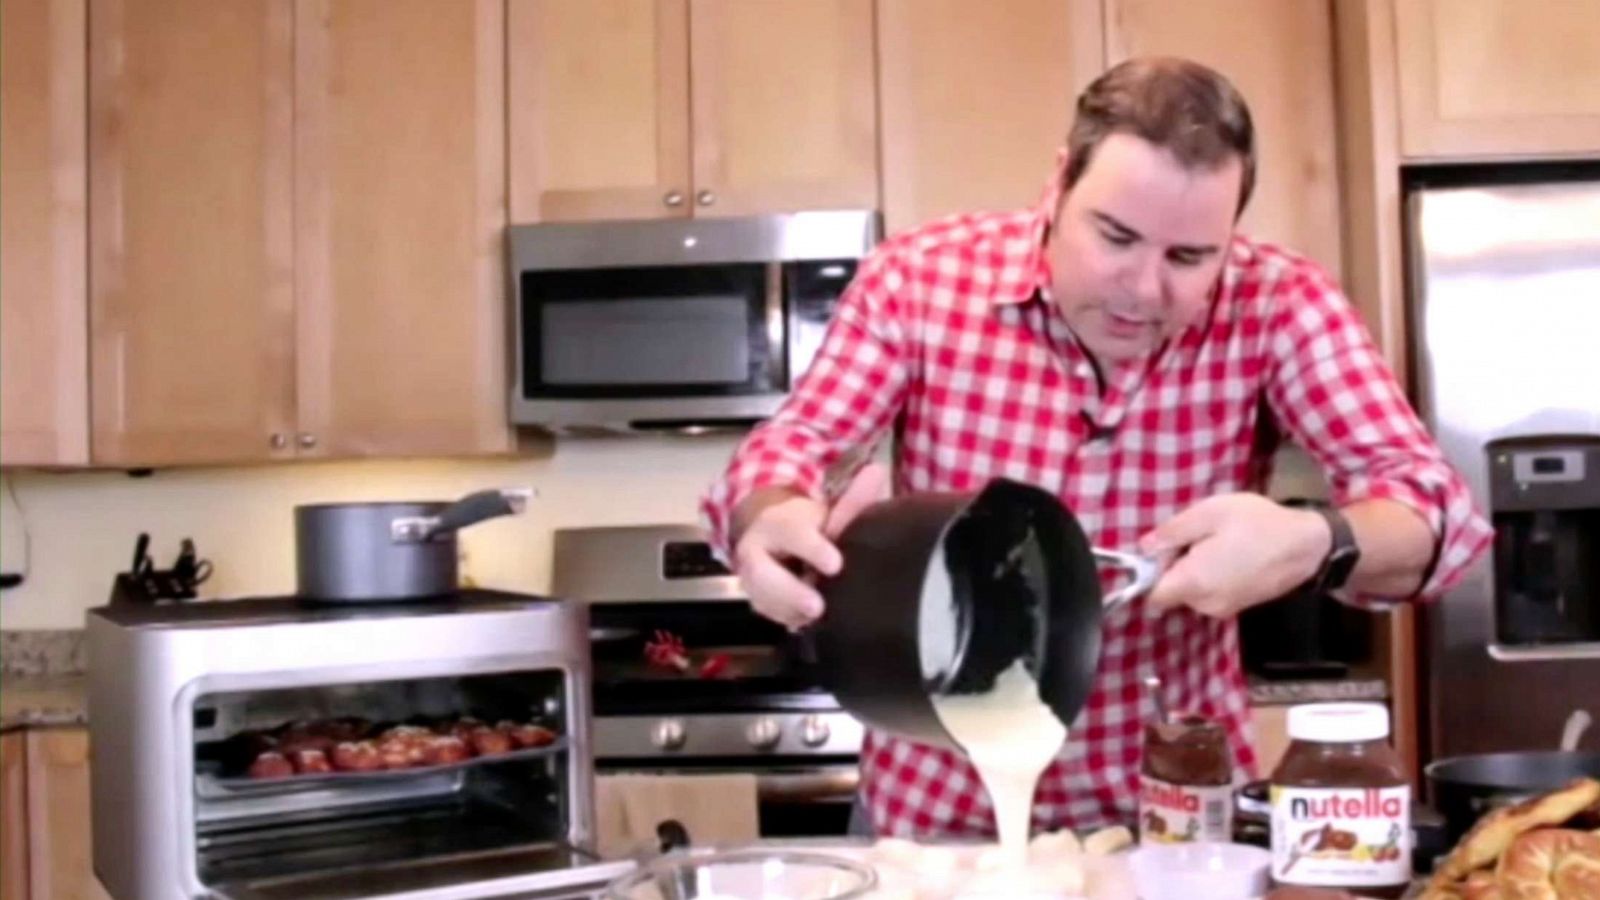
(1186, 781)
(1341, 804)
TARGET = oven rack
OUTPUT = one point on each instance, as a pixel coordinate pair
(211, 786)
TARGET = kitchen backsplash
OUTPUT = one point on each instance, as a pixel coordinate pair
(73, 531)
(80, 526)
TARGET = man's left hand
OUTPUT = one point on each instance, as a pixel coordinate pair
(1234, 551)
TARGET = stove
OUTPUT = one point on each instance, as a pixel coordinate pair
(688, 678)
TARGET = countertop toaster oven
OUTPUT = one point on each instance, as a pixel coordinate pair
(263, 748)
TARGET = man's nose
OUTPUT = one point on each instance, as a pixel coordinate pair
(1147, 282)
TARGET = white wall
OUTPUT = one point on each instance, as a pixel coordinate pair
(81, 526)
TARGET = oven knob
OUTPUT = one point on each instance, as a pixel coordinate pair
(814, 731)
(763, 734)
(668, 734)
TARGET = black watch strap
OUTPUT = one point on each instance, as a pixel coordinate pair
(1343, 554)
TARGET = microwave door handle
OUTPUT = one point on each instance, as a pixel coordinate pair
(778, 347)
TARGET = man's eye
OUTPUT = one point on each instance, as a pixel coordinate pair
(1184, 260)
(1117, 240)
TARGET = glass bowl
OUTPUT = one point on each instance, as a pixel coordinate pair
(747, 874)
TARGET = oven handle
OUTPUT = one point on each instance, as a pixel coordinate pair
(811, 785)
(804, 785)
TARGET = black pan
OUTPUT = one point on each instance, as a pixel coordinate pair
(1463, 788)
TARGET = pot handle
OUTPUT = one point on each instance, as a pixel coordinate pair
(1144, 569)
(469, 510)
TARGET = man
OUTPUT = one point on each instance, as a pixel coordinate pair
(1121, 347)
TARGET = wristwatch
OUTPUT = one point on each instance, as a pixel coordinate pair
(1343, 554)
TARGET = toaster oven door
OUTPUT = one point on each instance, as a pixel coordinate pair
(389, 788)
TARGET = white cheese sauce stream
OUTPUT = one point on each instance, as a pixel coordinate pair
(1009, 734)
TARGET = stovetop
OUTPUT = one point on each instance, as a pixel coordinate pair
(249, 611)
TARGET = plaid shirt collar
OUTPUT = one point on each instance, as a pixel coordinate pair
(1033, 278)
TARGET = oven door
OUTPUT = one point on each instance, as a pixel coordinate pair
(680, 658)
(793, 798)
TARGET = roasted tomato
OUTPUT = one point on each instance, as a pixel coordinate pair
(356, 756)
(271, 764)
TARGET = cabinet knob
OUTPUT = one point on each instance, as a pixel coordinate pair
(673, 199)
(279, 440)
(705, 198)
(307, 440)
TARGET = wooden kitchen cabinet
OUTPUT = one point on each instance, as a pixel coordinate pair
(44, 387)
(1498, 78)
(296, 222)
(599, 112)
(672, 108)
(1279, 54)
(400, 206)
(60, 866)
(974, 99)
(191, 230)
(784, 105)
(46, 816)
(13, 816)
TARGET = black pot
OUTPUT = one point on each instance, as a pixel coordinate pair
(941, 592)
(386, 551)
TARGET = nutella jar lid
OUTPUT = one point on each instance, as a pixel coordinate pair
(1338, 723)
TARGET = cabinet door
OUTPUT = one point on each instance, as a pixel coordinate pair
(599, 109)
(975, 99)
(400, 218)
(61, 865)
(1279, 54)
(1498, 77)
(13, 813)
(44, 299)
(190, 230)
(784, 105)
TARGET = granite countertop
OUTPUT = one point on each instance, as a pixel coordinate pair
(31, 701)
(41, 679)
(1280, 693)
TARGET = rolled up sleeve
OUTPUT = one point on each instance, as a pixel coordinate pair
(844, 403)
(1335, 395)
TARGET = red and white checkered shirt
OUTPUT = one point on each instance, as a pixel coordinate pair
(948, 325)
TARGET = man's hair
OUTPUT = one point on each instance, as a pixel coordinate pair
(1185, 108)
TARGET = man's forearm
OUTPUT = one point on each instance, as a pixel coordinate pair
(1396, 547)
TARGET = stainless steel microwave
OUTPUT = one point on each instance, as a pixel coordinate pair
(673, 325)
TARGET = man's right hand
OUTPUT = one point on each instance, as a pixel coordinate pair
(781, 527)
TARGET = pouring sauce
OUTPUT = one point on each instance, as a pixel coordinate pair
(1011, 736)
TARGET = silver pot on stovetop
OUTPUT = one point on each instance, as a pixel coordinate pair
(389, 550)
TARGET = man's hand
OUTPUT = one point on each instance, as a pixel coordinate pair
(1234, 551)
(793, 528)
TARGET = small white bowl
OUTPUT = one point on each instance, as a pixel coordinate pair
(1200, 871)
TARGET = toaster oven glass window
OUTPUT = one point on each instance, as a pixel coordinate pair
(661, 330)
(296, 786)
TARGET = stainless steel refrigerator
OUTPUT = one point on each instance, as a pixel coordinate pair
(1504, 293)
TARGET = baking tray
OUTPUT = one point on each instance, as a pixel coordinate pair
(210, 785)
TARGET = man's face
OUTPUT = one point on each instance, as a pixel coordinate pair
(1138, 244)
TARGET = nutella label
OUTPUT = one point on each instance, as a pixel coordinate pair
(1341, 837)
(1178, 813)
